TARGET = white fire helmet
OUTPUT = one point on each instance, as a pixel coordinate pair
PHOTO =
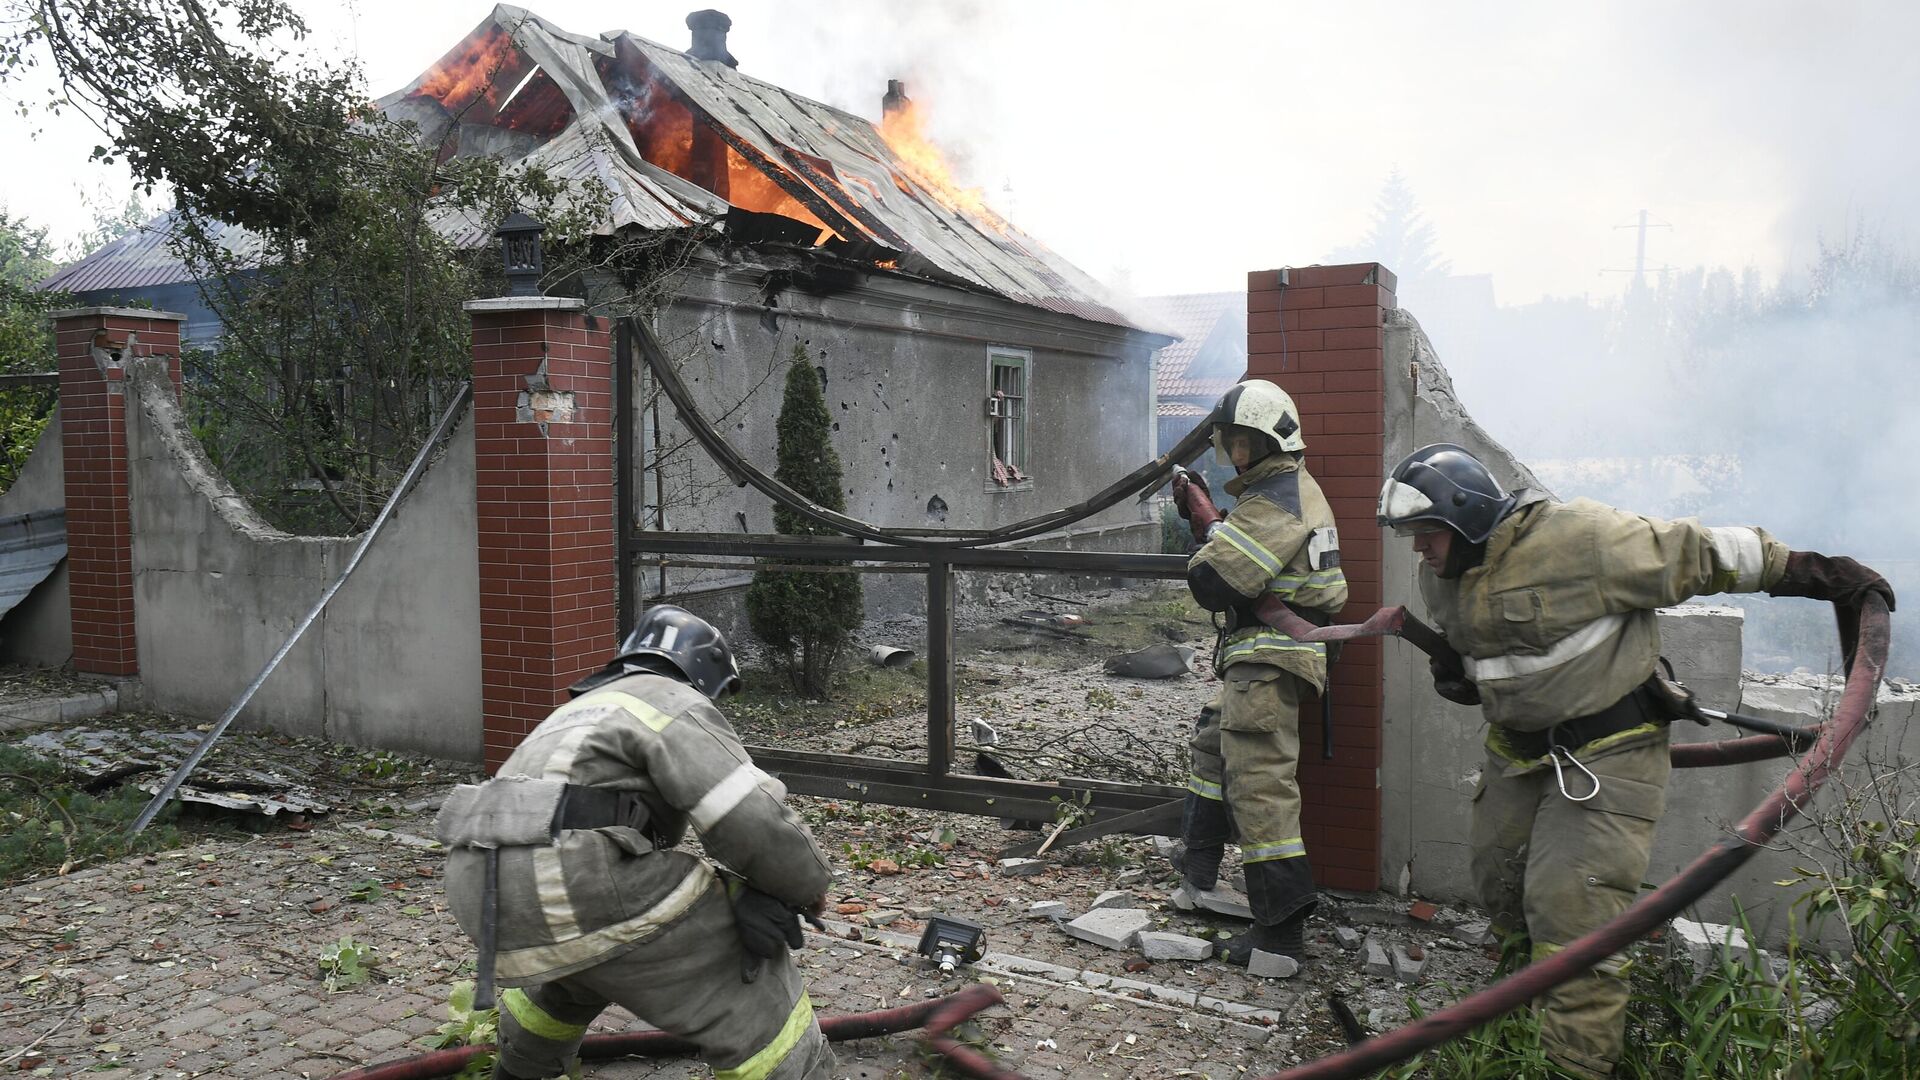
(1262, 406)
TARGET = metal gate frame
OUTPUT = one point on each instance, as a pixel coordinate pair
(1148, 809)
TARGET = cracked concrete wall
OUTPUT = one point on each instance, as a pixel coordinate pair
(38, 632)
(1433, 750)
(394, 660)
(907, 377)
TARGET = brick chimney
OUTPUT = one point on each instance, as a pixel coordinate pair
(896, 99)
(710, 36)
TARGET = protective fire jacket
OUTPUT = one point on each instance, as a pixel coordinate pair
(1557, 622)
(1280, 539)
(592, 893)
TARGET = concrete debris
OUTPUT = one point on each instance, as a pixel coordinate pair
(1266, 965)
(1112, 928)
(1220, 900)
(1407, 967)
(1130, 877)
(1347, 937)
(1477, 932)
(1374, 959)
(1153, 662)
(884, 917)
(1165, 846)
(1374, 915)
(1155, 945)
(104, 755)
(1698, 948)
(1114, 898)
(914, 912)
(1021, 867)
(1047, 909)
(984, 734)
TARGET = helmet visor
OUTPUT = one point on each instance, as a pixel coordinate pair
(1406, 510)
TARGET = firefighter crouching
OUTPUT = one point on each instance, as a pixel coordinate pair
(1279, 539)
(563, 869)
(1551, 607)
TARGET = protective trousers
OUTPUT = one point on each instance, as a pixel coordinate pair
(686, 980)
(1560, 868)
(1246, 748)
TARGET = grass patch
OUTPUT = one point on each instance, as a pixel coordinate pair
(1162, 615)
(53, 825)
(767, 707)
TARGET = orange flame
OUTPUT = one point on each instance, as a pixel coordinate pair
(470, 70)
(904, 130)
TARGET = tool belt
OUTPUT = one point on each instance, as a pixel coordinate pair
(1638, 707)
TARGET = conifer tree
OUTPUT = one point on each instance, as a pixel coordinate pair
(805, 618)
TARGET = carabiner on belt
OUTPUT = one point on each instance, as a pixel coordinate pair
(1554, 750)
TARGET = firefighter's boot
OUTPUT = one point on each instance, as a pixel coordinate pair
(1287, 939)
(1199, 867)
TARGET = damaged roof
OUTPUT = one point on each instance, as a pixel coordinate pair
(636, 114)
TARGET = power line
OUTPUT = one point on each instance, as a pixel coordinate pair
(1639, 269)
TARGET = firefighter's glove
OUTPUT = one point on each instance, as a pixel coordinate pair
(767, 926)
(1201, 514)
(1834, 578)
(1452, 684)
(1184, 481)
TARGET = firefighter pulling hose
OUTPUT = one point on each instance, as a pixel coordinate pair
(1278, 545)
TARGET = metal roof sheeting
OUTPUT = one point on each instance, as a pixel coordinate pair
(31, 545)
(559, 111)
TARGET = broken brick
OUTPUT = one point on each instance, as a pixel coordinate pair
(1424, 910)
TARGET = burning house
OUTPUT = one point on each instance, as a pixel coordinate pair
(976, 378)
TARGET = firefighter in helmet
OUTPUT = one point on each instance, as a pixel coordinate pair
(1551, 607)
(1279, 539)
(563, 869)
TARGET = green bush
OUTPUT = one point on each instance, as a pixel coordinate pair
(805, 617)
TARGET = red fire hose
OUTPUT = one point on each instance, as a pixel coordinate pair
(1869, 658)
(939, 1016)
(1866, 644)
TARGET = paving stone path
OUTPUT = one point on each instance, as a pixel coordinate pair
(205, 962)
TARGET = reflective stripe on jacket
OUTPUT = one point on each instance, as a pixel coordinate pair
(1280, 539)
(1558, 622)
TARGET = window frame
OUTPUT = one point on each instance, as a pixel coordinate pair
(999, 357)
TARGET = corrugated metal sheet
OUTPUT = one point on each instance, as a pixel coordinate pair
(31, 545)
(559, 111)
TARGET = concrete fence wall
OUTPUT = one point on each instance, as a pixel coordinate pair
(394, 660)
(38, 632)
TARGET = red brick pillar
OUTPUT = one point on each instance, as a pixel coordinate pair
(543, 456)
(94, 345)
(1321, 336)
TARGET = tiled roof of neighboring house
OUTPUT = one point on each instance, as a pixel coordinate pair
(582, 106)
(1197, 318)
(1180, 408)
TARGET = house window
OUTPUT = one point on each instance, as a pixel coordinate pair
(1007, 418)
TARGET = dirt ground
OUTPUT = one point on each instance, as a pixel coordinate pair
(206, 960)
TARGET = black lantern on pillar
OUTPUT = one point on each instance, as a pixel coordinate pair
(520, 251)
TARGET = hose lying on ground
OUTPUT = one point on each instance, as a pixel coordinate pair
(939, 1016)
(1867, 657)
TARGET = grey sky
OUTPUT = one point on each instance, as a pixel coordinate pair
(1172, 147)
